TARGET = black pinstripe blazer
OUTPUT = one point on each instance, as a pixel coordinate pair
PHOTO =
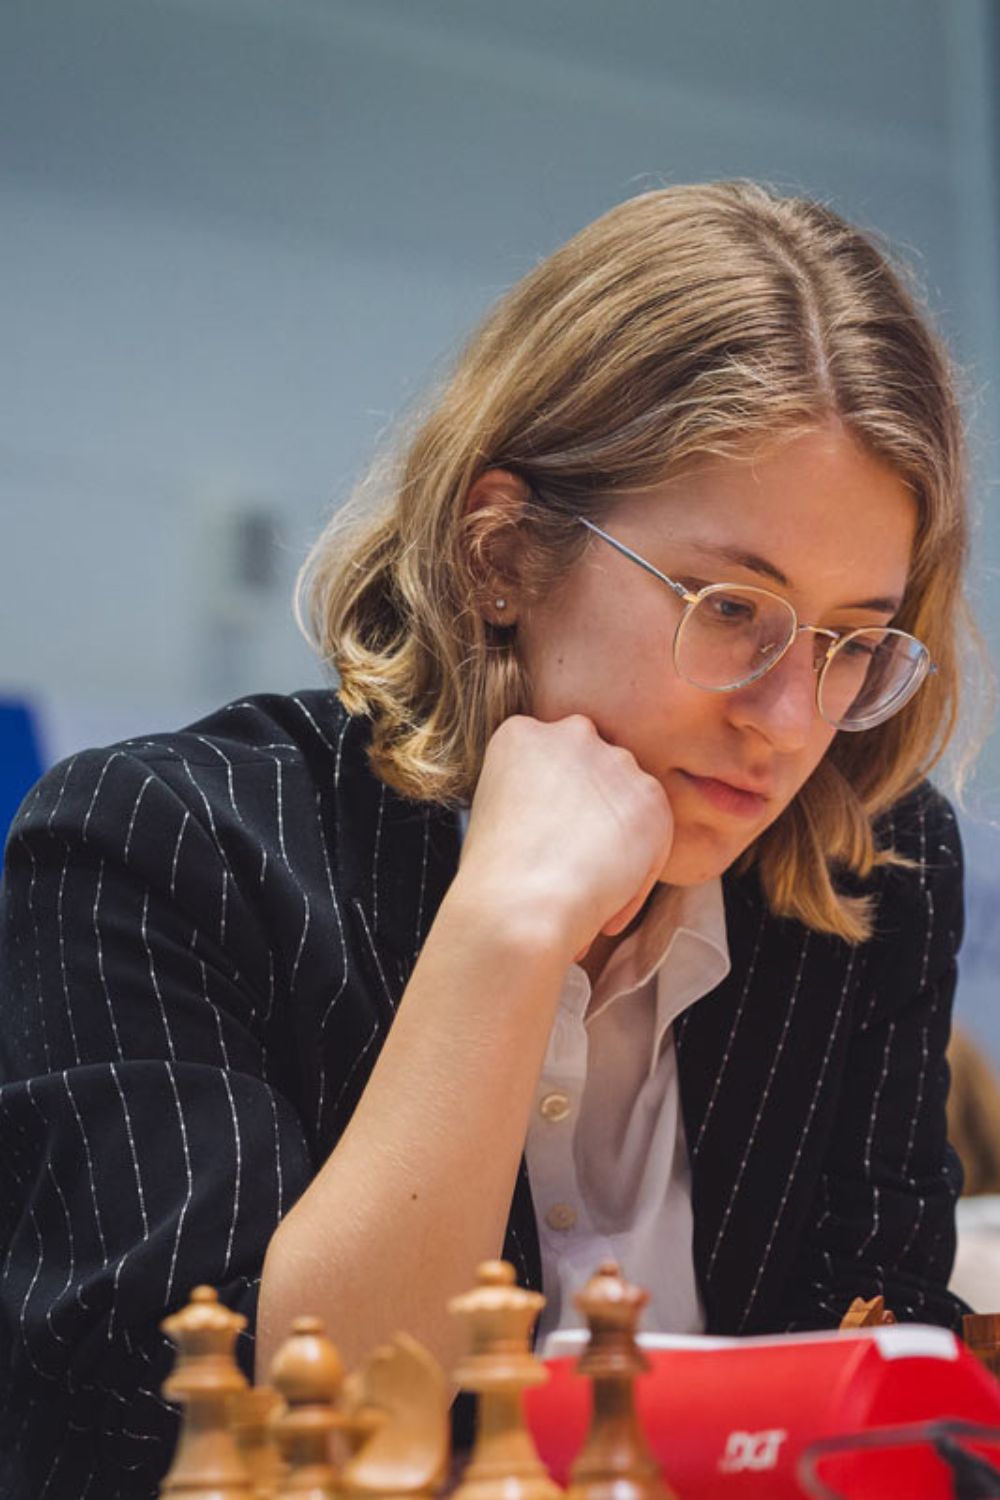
(205, 936)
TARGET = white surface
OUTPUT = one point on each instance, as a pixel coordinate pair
(899, 1341)
(976, 1273)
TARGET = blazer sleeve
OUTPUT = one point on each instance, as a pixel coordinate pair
(883, 1219)
(144, 1145)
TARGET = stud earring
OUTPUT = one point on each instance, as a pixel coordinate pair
(500, 603)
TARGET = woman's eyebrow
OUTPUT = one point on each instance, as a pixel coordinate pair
(741, 558)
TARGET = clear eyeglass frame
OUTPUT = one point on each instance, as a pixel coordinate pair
(920, 663)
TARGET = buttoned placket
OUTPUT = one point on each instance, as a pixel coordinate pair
(572, 1240)
(557, 1107)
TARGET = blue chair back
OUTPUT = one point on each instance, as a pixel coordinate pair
(20, 758)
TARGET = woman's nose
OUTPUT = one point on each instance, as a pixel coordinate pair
(781, 705)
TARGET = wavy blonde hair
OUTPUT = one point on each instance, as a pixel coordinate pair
(689, 322)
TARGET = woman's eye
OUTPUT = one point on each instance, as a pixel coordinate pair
(731, 609)
(858, 649)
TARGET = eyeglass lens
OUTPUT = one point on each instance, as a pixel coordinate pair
(732, 636)
(869, 676)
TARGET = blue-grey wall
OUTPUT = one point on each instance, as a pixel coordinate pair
(238, 234)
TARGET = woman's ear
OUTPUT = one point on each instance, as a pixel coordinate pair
(493, 510)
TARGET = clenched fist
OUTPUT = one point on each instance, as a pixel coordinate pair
(566, 834)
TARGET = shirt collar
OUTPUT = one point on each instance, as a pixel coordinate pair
(697, 958)
(681, 939)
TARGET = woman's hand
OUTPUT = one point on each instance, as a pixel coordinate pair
(566, 832)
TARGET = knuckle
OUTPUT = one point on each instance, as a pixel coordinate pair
(654, 791)
(652, 798)
(512, 728)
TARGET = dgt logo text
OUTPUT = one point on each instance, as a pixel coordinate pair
(752, 1450)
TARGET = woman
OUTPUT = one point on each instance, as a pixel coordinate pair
(667, 590)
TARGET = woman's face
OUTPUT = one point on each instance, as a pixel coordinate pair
(816, 520)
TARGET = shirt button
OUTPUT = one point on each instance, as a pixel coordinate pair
(555, 1107)
(561, 1216)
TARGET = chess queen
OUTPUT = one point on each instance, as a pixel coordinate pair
(602, 908)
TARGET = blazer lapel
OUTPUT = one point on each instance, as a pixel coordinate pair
(759, 1059)
(394, 860)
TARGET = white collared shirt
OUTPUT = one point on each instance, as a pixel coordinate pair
(606, 1151)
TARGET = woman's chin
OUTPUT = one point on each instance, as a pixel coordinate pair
(700, 855)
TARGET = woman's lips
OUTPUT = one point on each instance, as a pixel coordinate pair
(726, 797)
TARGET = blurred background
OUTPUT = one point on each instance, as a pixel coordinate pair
(240, 236)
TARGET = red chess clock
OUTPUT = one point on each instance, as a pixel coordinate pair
(737, 1417)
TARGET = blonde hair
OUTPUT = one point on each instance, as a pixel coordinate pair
(685, 323)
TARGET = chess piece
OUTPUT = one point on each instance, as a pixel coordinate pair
(362, 1418)
(399, 1414)
(207, 1464)
(870, 1314)
(981, 1332)
(615, 1462)
(251, 1420)
(308, 1375)
(498, 1368)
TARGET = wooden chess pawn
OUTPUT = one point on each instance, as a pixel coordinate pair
(615, 1462)
(498, 1368)
(207, 1464)
(308, 1375)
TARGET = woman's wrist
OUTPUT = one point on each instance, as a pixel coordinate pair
(507, 925)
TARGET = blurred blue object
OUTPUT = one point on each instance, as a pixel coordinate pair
(979, 958)
(20, 757)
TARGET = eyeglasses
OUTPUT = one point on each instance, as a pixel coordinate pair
(730, 635)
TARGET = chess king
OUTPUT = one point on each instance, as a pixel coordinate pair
(603, 906)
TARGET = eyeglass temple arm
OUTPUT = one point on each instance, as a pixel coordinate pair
(678, 588)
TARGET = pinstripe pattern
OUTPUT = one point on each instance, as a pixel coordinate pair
(720, 1075)
(205, 937)
(800, 1145)
(751, 1140)
(829, 1077)
(187, 1027)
